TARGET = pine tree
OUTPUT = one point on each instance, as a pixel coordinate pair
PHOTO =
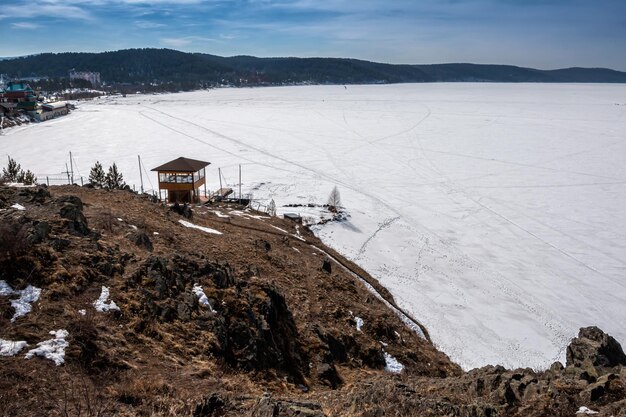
(12, 172)
(114, 179)
(29, 178)
(97, 176)
(334, 200)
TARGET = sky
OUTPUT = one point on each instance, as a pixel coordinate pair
(544, 34)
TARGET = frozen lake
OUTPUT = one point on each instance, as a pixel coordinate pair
(494, 213)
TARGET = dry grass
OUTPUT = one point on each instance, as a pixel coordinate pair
(13, 238)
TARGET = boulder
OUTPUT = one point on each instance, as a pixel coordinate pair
(593, 344)
(72, 210)
(327, 374)
(327, 266)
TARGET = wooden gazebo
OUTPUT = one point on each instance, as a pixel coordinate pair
(181, 179)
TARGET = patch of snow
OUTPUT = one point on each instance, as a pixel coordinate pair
(298, 237)
(220, 214)
(202, 298)
(383, 343)
(120, 219)
(195, 226)
(82, 312)
(11, 348)
(246, 215)
(296, 249)
(5, 289)
(52, 349)
(391, 364)
(101, 303)
(585, 410)
(20, 185)
(18, 206)
(278, 228)
(359, 323)
(132, 226)
(155, 233)
(23, 305)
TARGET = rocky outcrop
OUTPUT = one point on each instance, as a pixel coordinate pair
(594, 345)
(72, 210)
(209, 322)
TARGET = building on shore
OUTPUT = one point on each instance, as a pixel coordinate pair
(21, 94)
(92, 77)
(51, 111)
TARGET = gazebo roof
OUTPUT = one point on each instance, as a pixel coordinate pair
(182, 165)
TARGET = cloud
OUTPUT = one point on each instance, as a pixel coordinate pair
(25, 25)
(184, 41)
(28, 10)
(146, 24)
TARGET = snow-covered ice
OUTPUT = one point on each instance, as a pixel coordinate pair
(52, 349)
(195, 226)
(492, 212)
(391, 364)
(101, 303)
(11, 348)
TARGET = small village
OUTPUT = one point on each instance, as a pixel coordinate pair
(20, 103)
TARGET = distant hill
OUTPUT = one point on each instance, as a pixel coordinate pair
(172, 69)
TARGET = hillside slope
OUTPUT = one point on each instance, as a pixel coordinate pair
(230, 312)
(160, 67)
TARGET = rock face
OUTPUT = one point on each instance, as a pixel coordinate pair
(72, 210)
(598, 347)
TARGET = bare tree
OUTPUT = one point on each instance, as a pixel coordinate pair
(334, 200)
(271, 208)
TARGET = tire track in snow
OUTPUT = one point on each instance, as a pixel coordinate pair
(384, 225)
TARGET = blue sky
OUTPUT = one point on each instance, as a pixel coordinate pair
(537, 33)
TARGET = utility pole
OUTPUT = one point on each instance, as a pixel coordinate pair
(71, 168)
(219, 172)
(140, 174)
(239, 183)
(67, 171)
